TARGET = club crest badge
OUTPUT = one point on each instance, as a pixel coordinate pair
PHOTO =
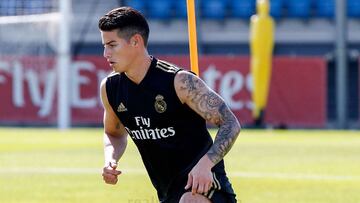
(160, 104)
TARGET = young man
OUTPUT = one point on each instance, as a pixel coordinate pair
(164, 110)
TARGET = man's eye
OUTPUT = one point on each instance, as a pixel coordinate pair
(110, 45)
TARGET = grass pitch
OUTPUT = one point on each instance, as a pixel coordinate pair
(46, 165)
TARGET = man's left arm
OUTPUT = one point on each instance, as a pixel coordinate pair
(203, 100)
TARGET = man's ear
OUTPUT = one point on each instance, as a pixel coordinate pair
(135, 40)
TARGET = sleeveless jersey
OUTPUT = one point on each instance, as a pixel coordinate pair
(170, 137)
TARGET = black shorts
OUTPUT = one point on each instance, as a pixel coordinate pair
(220, 192)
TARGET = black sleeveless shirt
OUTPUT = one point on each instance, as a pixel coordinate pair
(170, 137)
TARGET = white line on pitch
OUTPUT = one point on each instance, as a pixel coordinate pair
(285, 176)
(293, 176)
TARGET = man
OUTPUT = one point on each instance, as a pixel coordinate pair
(164, 110)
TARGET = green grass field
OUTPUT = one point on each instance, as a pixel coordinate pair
(46, 165)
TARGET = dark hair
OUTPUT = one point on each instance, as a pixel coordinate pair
(128, 21)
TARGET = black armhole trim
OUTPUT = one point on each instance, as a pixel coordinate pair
(108, 87)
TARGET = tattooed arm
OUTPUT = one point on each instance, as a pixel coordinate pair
(115, 139)
(199, 97)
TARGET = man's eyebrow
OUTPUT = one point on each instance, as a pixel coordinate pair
(109, 42)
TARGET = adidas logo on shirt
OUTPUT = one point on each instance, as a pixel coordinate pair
(121, 108)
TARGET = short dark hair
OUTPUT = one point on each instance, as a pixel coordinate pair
(128, 21)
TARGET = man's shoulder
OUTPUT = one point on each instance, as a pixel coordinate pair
(113, 74)
(167, 66)
(111, 79)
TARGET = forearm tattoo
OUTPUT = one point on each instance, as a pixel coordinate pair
(208, 104)
(226, 136)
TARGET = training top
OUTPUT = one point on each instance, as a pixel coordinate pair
(170, 136)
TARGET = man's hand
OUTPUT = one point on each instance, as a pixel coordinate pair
(110, 174)
(200, 177)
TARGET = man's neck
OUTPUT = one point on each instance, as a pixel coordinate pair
(139, 68)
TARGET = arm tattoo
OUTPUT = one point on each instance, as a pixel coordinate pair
(205, 101)
(226, 136)
(210, 105)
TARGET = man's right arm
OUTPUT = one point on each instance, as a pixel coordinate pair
(115, 139)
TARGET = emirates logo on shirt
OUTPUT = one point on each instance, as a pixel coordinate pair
(145, 132)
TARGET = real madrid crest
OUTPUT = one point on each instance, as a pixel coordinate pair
(160, 104)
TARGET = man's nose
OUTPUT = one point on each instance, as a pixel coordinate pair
(107, 53)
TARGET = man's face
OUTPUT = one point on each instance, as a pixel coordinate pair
(118, 51)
